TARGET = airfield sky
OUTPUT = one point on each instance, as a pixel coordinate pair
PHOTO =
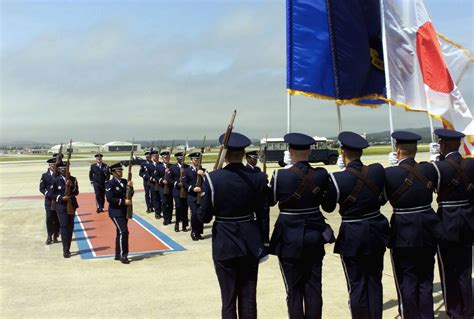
(111, 70)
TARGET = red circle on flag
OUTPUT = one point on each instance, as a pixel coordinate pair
(433, 66)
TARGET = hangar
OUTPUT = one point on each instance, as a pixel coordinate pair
(77, 147)
(121, 146)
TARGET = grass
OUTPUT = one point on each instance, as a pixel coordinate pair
(207, 158)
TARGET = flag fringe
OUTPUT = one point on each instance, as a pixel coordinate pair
(459, 46)
(355, 101)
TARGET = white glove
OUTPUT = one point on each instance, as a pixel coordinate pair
(340, 162)
(287, 158)
(434, 152)
(392, 158)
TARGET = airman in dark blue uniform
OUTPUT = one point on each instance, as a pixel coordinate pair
(189, 182)
(416, 229)
(300, 230)
(179, 192)
(235, 196)
(146, 184)
(364, 231)
(456, 210)
(166, 194)
(252, 160)
(98, 175)
(66, 220)
(46, 187)
(115, 190)
(151, 175)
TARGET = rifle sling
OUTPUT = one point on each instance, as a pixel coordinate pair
(414, 173)
(460, 169)
(307, 182)
(362, 179)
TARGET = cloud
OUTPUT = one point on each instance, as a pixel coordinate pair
(116, 78)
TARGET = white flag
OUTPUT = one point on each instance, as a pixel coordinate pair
(418, 75)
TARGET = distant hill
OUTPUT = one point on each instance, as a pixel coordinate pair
(384, 137)
(373, 138)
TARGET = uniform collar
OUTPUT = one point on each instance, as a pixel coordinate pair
(407, 160)
(454, 155)
(302, 163)
(355, 163)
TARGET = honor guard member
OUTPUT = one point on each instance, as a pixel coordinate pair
(300, 231)
(66, 220)
(166, 194)
(235, 196)
(46, 188)
(252, 159)
(179, 192)
(146, 185)
(415, 227)
(98, 175)
(456, 211)
(151, 175)
(364, 232)
(115, 190)
(189, 182)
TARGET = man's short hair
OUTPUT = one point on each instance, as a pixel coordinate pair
(408, 148)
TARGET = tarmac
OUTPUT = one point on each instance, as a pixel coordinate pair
(37, 282)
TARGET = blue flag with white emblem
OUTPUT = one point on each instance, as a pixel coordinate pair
(334, 50)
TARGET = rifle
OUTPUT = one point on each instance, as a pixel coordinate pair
(265, 156)
(182, 191)
(166, 187)
(157, 185)
(59, 159)
(199, 177)
(70, 207)
(223, 149)
(129, 189)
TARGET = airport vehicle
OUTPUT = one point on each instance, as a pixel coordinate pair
(320, 152)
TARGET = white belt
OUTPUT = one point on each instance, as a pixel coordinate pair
(454, 203)
(411, 210)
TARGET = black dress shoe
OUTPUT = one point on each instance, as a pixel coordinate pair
(67, 255)
(148, 211)
(198, 236)
(185, 229)
(176, 228)
(194, 237)
(49, 241)
(102, 210)
(158, 216)
(97, 211)
(55, 238)
(125, 260)
(166, 222)
(117, 258)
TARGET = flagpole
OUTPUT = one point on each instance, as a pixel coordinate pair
(431, 126)
(339, 121)
(288, 112)
(387, 76)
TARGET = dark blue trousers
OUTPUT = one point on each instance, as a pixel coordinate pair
(99, 190)
(181, 208)
(455, 267)
(414, 281)
(166, 205)
(52, 220)
(196, 226)
(147, 188)
(121, 236)
(302, 277)
(156, 200)
(67, 226)
(238, 282)
(364, 283)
